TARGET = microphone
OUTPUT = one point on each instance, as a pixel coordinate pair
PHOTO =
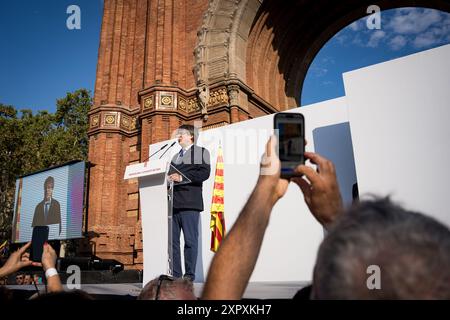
(155, 152)
(167, 149)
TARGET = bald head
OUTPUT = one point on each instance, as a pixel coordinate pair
(169, 289)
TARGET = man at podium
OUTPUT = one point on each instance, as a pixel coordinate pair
(193, 163)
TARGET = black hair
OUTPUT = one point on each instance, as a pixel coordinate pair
(62, 296)
(48, 181)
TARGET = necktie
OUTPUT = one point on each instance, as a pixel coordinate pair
(46, 210)
(180, 156)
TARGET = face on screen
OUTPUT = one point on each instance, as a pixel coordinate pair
(48, 191)
(290, 143)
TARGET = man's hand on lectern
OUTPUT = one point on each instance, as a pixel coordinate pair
(175, 177)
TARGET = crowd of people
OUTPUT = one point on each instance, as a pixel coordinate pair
(23, 279)
(412, 250)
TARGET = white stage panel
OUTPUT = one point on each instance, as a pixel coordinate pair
(399, 114)
(293, 236)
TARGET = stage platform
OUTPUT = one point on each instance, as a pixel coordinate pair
(129, 291)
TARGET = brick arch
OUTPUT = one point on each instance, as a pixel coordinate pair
(269, 45)
(249, 52)
(286, 36)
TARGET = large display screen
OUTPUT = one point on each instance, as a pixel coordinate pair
(53, 197)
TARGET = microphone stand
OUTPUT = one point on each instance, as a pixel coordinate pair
(155, 152)
(167, 149)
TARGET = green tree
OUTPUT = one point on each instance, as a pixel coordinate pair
(31, 142)
(72, 124)
(10, 143)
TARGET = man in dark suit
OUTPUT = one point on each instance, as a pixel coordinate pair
(193, 163)
(48, 211)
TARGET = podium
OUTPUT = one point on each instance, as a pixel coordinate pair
(155, 199)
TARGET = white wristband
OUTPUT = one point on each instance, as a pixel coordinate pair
(50, 272)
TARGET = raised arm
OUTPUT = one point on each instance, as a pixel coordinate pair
(48, 264)
(235, 260)
(16, 261)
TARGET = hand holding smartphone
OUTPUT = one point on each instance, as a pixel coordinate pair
(290, 131)
(40, 236)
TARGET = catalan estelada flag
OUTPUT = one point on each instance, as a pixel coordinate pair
(217, 224)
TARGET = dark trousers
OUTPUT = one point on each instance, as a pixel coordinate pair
(186, 220)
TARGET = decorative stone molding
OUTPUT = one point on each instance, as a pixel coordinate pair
(107, 120)
(110, 119)
(193, 105)
(182, 104)
(188, 103)
(94, 121)
(214, 125)
(221, 41)
(211, 52)
(149, 102)
(167, 100)
(134, 123)
(220, 54)
(125, 122)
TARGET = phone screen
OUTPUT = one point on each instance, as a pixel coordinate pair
(40, 236)
(290, 131)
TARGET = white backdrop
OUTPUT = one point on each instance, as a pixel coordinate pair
(293, 236)
(399, 115)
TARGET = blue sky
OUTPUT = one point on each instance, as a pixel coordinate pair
(41, 59)
(403, 31)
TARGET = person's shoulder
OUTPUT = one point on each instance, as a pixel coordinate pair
(40, 204)
(304, 293)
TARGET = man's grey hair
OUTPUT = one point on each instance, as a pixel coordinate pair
(411, 250)
(193, 131)
(169, 290)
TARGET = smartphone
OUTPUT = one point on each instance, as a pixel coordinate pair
(290, 131)
(40, 236)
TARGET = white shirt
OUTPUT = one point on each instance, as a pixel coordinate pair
(185, 150)
(47, 205)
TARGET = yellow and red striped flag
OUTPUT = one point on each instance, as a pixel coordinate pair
(3, 247)
(217, 224)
